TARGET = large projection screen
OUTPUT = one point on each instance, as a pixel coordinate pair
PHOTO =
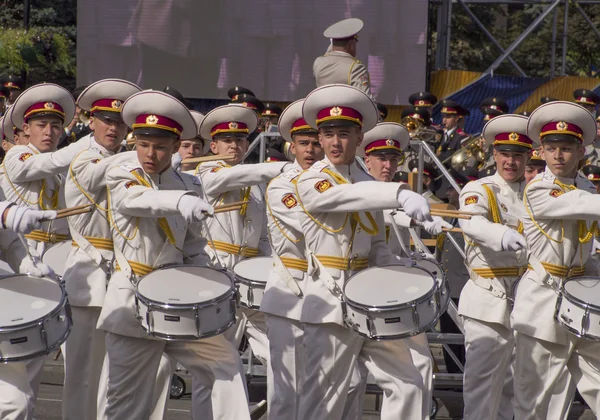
(204, 47)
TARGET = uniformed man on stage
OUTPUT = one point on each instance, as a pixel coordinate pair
(283, 297)
(87, 268)
(154, 213)
(592, 173)
(561, 211)
(535, 165)
(344, 231)
(340, 65)
(495, 103)
(424, 100)
(240, 234)
(191, 148)
(496, 258)
(453, 136)
(15, 86)
(587, 99)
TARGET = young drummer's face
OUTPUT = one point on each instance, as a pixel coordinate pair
(340, 143)
(44, 132)
(307, 149)
(190, 149)
(109, 132)
(562, 157)
(154, 153)
(510, 165)
(235, 144)
(382, 167)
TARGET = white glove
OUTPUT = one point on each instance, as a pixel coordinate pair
(435, 227)
(176, 161)
(24, 220)
(513, 241)
(36, 269)
(414, 205)
(194, 209)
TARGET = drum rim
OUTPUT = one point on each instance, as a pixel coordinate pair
(241, 279)
(174, 337)
(399, 336)
(420, 300)
(185, 306)
(576, 300)
(64, 301)
(244, 280)
(50, 348)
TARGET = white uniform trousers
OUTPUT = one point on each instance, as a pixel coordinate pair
(133, 363)
(287, 363)
(83, 357)
(487, 385)
(421, 355)
(35, 368)
(16, 396)
(540, 373)
(251, 323)
(160, 396)
(331, 353)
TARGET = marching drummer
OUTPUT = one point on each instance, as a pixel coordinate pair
(153, 212)
(496, 258)
(344, 231)
(191, 148)
(381, 148)
(31, 172)
(240, 234)
(560, 224)
(87, 268)
(282, 300)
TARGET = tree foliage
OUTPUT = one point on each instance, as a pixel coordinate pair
(472, 50)
(46, 51)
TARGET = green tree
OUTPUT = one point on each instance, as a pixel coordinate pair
(46, 52)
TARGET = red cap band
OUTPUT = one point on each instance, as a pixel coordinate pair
(300, 125)
(44, 107)
(229, 127)
(157, 121)
(383, 144)
(339, 113)
(422, 102)
(585, 100)
(112, 105)
(515, 139)
(448, 110)
(561, 127)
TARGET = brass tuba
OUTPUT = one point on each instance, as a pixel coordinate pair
(418, 131)
(84, 117)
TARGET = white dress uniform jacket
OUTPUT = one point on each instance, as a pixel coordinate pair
(556, 208)
(32, 179)
(341, 67)
(486, 296)
(236, 235)
(134, 209)
(327, 222)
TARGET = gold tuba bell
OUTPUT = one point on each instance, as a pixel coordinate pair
(84, 117)
(413, 125)
(471, 155)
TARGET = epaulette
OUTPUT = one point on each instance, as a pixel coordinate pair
(290, 175)
(319, 166)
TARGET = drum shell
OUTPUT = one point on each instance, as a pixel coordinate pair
(56, 257)
(443, 291)
(393, 322)
(577, 316)
(250, 292)
(39, 337)
(184, 322)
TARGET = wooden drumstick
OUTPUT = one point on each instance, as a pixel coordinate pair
(207, 158)
(69, 209)
(457, 230)
(71, 213)
(448, 213)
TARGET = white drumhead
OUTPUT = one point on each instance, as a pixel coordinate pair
(56, 256)
(255, 269)
(586, 289)
(25, 299)
(184, 285)
(432, 267)
(388, 286)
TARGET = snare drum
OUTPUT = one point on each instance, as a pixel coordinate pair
(35, 317)
(56, 257)
(443, 288)
(251, 276)
(186, 302)
(574, 310)
(391, 302)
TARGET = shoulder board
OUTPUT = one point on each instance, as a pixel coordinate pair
(319, 166)
(290, 175)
